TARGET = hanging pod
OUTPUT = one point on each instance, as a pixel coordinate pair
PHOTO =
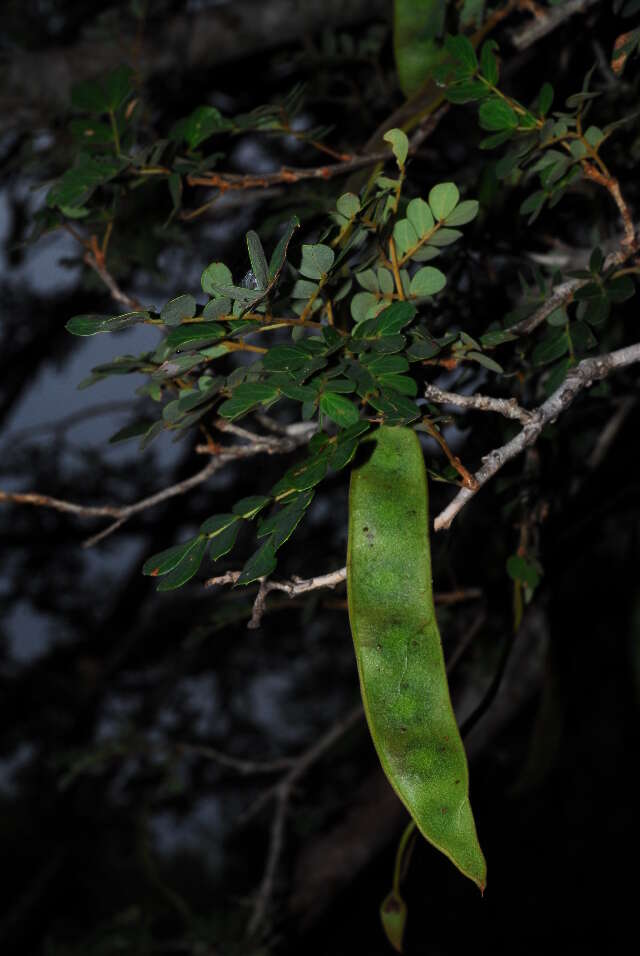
(398, 649)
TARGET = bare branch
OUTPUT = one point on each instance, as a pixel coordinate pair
(526, 36)
(292, 588)
(223, 455)
(582, 376)
(95, 260)
(482, 403)
(242, 766)
(282, 793)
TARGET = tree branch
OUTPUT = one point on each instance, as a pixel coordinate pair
(482, 403)
(526, 36)
(282, 793)
(223, 455)
(564, 292)
(582, 376)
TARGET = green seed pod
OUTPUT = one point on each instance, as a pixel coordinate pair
(398, 650)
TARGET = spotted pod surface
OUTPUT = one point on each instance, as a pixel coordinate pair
(398, 649)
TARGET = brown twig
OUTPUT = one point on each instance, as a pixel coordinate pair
(122, 513)
(95, 259)
(287, 175)
(582, 376)
(612, 186)
(467, 478)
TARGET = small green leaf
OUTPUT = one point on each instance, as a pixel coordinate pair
(461, 49)
(258, 259)
(348, 205)
(285, 358)
(118, 86)
(283, 523)
(316, 260)
(339, 409)
(399, 383)
(187, 568)
(420, 216)
(404, 236)
(495, 114)
(484, 360)
(395, 317)
(165, 561)
(463, 213)
(87, 324)
(553, 345)
(199, 126)
(368, 280)
(182, 307)
(251, 506)
(193, 335)
(245, 397)
(259, 565)
(444, 237)
(427, 281)
(217, 523)
(361, 303)
(488, 62)
(279, 254)
(519, 569)
(619, 290)
(92, 324)
(399, 145)
(545, 99)
(443, 199)
(558, 317)
(215, 276)
(222, 542)
(135, 430)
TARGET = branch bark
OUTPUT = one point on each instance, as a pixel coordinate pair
(578, 378)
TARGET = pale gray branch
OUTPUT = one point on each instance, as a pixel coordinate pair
(483, 403)
(292, 588)
(526, 36)
(582, 376)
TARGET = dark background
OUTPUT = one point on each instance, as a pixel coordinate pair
(117, 835)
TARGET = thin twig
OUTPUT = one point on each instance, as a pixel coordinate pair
(582, 376)
(605, 440)
(483, 403)
(122, 513)
(563, 293)
(292, 588)
(287, 175)
(282, 793)
(242, 766)
(95, 259)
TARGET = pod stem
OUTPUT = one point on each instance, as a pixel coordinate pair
(403, 855)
